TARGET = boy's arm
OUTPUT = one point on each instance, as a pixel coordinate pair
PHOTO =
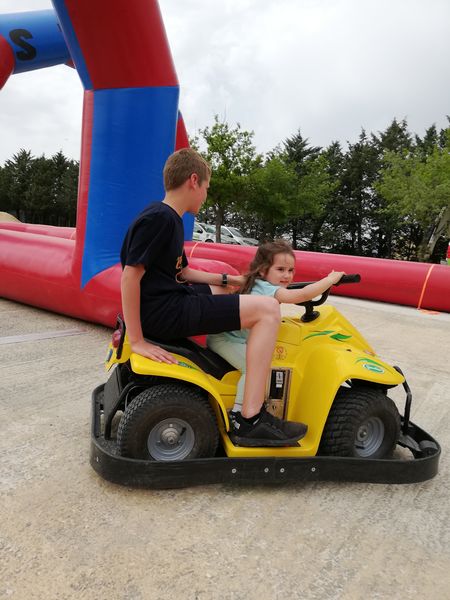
(196, 276)
(131, 306)
(310, 291)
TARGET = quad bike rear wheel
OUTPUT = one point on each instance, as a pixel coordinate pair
(168, 422)
(363, 422)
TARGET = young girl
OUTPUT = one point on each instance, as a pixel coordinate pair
(271, 271)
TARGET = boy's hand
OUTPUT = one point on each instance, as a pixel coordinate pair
(235, 281)
(335, 276)
(154, 352)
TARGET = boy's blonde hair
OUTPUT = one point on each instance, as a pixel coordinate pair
(181, 165)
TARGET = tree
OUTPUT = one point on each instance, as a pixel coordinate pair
(40, 190)
(16, 177)
(386, 230)
(298, 153)
(308, 206)
(270, 190)
(418, 191)
(329, 192)
(232, 156)
(353, 202)
(426, 145)
(4, 186)
(39, 203)
(64, 187)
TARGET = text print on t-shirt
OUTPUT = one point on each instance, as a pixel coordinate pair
(179, 267)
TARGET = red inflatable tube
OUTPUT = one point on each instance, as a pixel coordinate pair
(36, 266)
(36, 269)
(63, 232)
(421, 285)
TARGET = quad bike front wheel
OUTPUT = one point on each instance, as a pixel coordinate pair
(363, 422)
(168, 422)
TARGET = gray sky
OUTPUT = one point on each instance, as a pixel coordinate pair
(328, 67)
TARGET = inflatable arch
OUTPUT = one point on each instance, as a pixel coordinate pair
(131, 124)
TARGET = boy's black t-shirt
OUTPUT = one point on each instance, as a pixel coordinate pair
(155, 239)
(170, 307)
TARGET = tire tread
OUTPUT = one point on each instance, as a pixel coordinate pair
(349, 406)
(156, 400)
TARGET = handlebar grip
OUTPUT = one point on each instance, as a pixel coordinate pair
(353, 278)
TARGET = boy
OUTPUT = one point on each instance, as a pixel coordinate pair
(158, 301)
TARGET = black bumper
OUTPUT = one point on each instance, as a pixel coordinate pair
(105, 460)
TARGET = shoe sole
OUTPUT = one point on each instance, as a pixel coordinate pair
(259, 443)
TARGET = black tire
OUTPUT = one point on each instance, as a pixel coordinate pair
(363, 422)
(168, 422)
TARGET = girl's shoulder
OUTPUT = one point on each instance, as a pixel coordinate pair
(264, 288)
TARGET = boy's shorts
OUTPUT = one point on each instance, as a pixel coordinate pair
(186, 315)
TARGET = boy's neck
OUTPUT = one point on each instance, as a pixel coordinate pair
(176, 201)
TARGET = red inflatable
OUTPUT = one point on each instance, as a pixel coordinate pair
(130, 125)
(421, 285)
(36, 268)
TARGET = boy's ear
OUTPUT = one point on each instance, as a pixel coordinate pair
(193, 179)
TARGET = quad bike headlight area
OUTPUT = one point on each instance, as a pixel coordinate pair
(156, 425)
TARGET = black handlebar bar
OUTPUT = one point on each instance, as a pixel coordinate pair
(353, 278)
(310, 313)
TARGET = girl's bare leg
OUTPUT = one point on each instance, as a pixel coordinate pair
(261, 315)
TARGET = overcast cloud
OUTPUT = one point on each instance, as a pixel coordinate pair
(328, 67)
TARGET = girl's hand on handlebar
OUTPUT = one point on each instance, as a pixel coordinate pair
(335, 276)
(154, 352)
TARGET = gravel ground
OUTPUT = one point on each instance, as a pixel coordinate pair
(66, 533)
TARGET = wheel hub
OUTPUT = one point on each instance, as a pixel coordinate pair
(171, 439)
(369, 437)
(170, 436)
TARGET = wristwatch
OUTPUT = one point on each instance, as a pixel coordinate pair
(224, 279)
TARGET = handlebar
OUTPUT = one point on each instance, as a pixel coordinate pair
(353, 278)
(310, 313)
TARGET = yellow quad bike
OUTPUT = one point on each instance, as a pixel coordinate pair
(157, 425)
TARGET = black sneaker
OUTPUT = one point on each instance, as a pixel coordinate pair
(266, 430)
(232, 414)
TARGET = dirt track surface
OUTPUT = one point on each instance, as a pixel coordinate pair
(66, 533)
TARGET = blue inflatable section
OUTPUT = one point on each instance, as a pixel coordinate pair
(35, 38)
(133, 134)
(72, 42)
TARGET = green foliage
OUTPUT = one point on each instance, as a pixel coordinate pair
(312, 188)
(386, 195)
(416, 186)
(269, 193)
(298, 152)
(40, 190)
(232, 156)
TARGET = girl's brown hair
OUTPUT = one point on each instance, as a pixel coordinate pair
(181, 165)
(262, 262)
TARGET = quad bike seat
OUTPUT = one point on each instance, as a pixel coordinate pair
(207, 360)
